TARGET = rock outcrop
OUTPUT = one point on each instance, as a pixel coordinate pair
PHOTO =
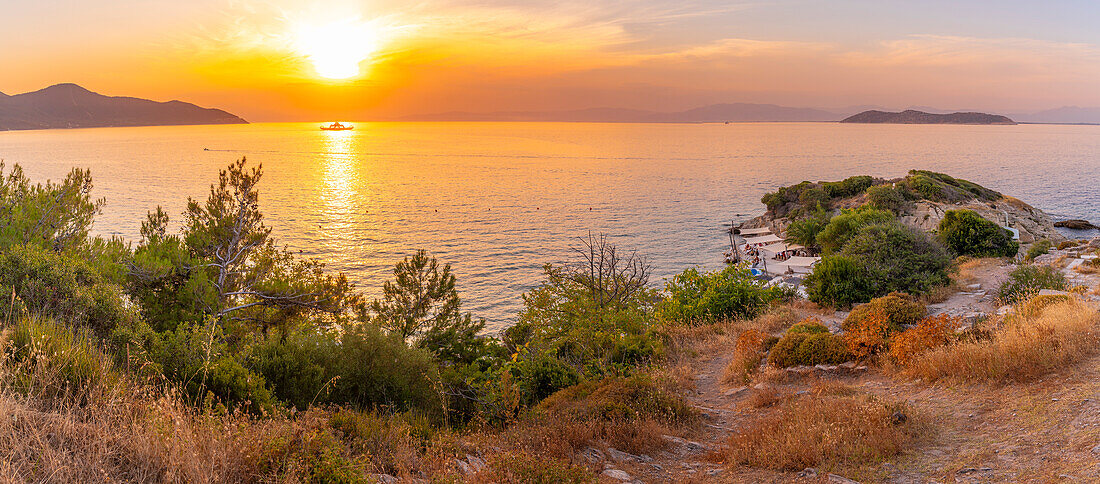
(1031, 223)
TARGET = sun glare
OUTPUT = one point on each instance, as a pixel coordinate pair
(337, 49)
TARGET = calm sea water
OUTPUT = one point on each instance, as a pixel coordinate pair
(498, 200)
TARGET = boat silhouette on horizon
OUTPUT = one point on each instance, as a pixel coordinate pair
(337, 127)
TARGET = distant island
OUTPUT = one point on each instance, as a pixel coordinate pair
(72, 106)
(920, 117)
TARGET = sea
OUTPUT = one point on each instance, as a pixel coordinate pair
(497, 201)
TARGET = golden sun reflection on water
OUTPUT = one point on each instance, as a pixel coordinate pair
(340, 184)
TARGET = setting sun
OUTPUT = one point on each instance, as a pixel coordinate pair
(337, 49)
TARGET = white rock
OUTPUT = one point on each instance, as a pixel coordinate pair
(476, 462)
(735, 391)
(616, 474)
(835, 479)
(464, 467)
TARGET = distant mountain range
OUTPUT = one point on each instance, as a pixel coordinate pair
(72, 106)
(911, 116)
(715, 113)
(741, 112)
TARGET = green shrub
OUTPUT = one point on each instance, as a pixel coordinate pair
(839, 281)
(943, 188)
(808, 326)
(901, 310)
(804, 230)
(730, 293)
(540, 376)
(965, 232)
(899, 258)
(1027, 280)
(809, 348)
(887, 197)
(62, 285)
(851, 186)
(1039, 248)
(812, 198)
(362, 367)
(846, 225)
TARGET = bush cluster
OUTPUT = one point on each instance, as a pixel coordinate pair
(965, 232)
(732, 293)
(932, 332)
(868, 328)
(1027, 280)
(808, 343)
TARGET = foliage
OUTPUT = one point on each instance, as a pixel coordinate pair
(54, 216)
(931, 332)
(847, 224)
(225, 265)
(943, 188)
(899, 258)
(965, 232)
(814, 198)
(887, 197)
(804, 231)
(587, 311)
(1027, 280)
(1039, 248)
(869, 335)
(62, 285)
(360, 366)
(730, 293)
(851, 186)
(197, 357)
(808, 343)
(421, 305)
(901, 310)
(838, 280)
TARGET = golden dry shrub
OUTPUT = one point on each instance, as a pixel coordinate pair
(1024, 348)
(824, 430)
(1035, 305)
(931, 332)
(867, 335)
(747, 353)
(900, 309)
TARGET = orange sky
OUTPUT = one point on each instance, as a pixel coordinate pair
(260, 59)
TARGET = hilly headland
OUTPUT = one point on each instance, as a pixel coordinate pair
(72, 106)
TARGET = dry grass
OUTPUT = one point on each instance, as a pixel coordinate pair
(825, 428)
(1022, 349)
(764, 397)
(60, 426)
(965, 270)
(747, 354)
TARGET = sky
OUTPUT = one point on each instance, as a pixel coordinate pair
(290, 60)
